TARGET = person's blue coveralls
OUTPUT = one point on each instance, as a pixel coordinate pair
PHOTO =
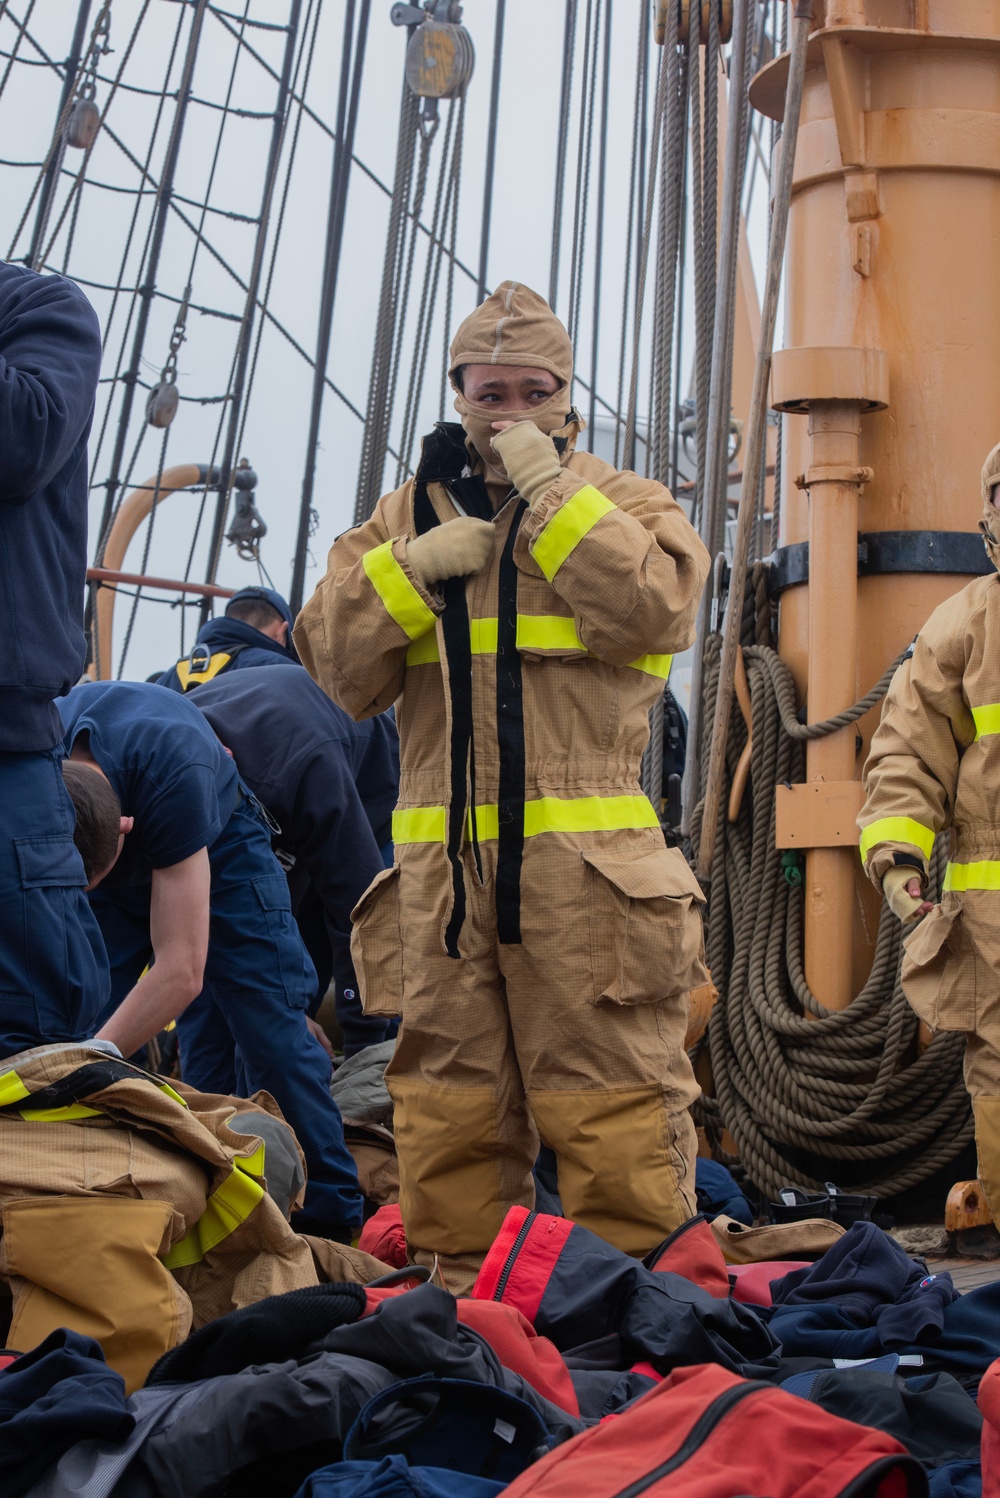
(53, 970)
(247, 646)
(331, 785)
(170, 772)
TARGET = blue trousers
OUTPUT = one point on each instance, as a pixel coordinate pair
(54, 980)
(247, 1029)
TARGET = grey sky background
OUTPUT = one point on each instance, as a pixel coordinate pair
(95, 239)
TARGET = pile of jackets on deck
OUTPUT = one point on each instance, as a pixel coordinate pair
(171, 1334)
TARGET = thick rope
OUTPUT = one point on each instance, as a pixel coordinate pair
(793, 1080)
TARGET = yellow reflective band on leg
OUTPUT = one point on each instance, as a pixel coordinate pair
(12, 1089)
(897, 830)
(402, 601)
(653, 665)
(427, 824)
(964, 876)
(226, 1210)
(986, 719)
(567, 528)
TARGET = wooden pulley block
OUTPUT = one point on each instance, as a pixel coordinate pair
(675, 15)
(161, 404)
(440, 58)
(83, 124)
(966, 1208)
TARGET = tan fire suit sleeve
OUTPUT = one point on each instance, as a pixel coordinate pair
(911, 775)
(353, 634)
(625, 559)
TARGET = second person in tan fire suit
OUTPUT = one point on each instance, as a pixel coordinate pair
(935, 765)
(518, 601)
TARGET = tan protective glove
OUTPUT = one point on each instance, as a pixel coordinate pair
(901, 902)
(530, 458)
(453, 549)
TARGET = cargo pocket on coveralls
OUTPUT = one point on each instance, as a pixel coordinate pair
(45, 937)
(645, 927)
(377, 945)
(939, 969)
(294, 963)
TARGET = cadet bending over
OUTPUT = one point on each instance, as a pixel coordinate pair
(935, 765)
(521, 599)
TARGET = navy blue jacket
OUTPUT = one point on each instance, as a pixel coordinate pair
(255, 648)
(50, 360)
(330, 783)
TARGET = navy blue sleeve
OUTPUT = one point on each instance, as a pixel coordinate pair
(50, 360)
(176, 818)
(333, 839)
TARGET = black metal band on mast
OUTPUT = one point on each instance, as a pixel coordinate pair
(51, 175)
(242, 357)
(491, 149)
(340, 178)
(147, 290)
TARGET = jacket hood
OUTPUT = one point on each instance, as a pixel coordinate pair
(513, 326)
(990, 523)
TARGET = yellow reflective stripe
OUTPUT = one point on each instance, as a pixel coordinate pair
(426, 824)
(653, 665)
(424, 652)
(897, 830)
(12, 1089)
(483, 636)
(166, 1087)
(567, 528)
(225, 1211)
(402, 601)
(982, 875)
(986, 719)
(547, 632)
(59, 1115)
(254, 1164)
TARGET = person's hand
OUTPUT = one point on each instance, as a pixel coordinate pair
(901, 887)
(454, 549)
(529, 458)
(316, 1029)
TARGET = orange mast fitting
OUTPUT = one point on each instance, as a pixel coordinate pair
(892, 239)
(131, 513)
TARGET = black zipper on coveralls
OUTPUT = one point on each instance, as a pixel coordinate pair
(516, 1247)
(698, 1434)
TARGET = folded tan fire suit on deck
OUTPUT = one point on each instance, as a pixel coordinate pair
(134, 1211)
(934, 766)
(536, 933)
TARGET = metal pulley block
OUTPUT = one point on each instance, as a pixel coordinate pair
(83, 124)
(161, 404)
(248, 528)
(440, 57)
(674, 16)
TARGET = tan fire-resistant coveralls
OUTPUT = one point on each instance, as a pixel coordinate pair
(935, 765)
(525, 690)
(135, 1211)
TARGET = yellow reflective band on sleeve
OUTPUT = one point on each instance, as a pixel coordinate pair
(547, 632)
(166, 1087)
(12, 1089)
(965, 876)
(424, 652)
(567, 528)
(254, 1164)
(986, 719)
(59, 1115)
(653, 665)
(402, 601)
(226, 1210)
(427, 824)
(897, 830)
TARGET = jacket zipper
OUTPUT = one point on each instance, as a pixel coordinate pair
(516, 1247)
(696, 1437)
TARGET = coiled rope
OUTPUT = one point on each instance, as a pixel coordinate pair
(794, 1080)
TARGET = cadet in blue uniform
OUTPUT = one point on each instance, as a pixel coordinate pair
(256, 630)
(331, 785)
(198, 893)
(53, 971)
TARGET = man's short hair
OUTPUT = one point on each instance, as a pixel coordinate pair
(98, 817)
(253, 611)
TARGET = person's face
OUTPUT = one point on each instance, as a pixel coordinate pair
(510, 387)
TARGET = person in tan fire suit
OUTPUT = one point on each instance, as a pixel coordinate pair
(519, 601)
(935, 765)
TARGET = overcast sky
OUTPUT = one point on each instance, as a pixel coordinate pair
(92, 238)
